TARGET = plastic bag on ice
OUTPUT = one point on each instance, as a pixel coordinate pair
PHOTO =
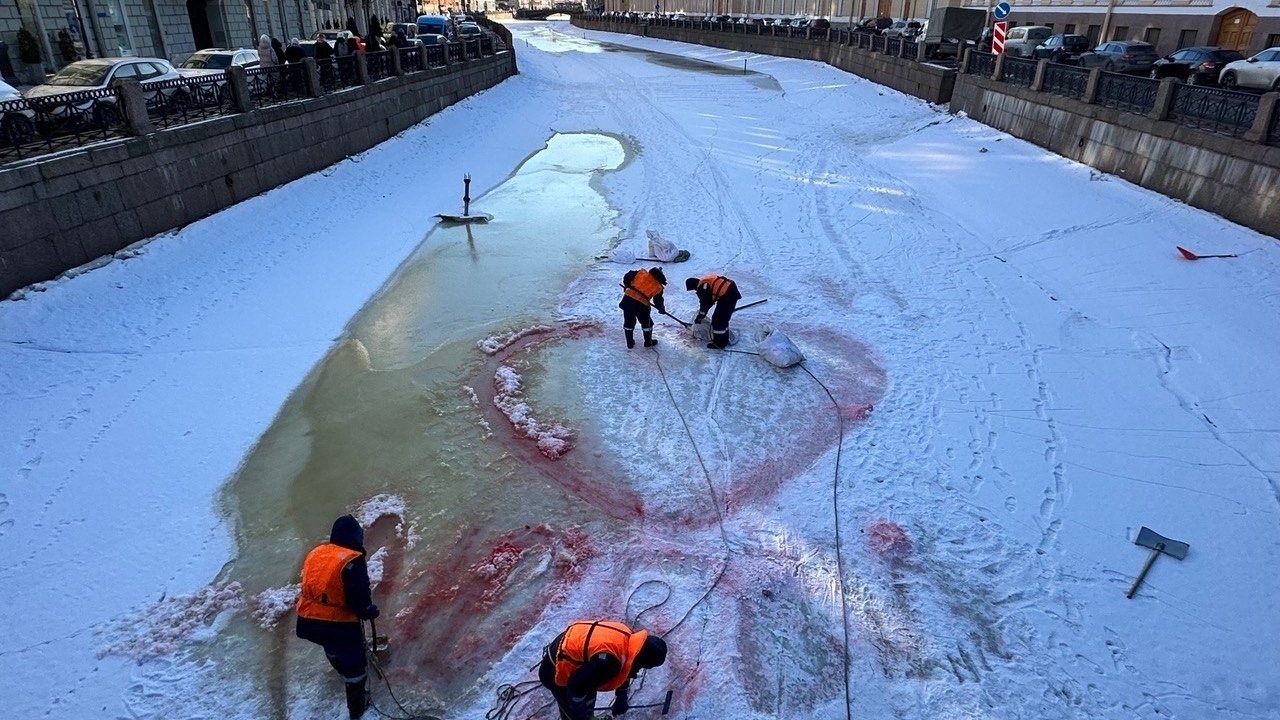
(661, 248)
(777, 348)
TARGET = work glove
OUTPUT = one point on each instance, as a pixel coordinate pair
(660, 304)
(620, 706)
(699, 318)
(370, 613)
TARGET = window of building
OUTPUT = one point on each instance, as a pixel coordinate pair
(1094, 31)
(1187, 38)
(1069, 29)
(1049, 25)
(1152, 35)
(1273, 39)
(1120, 33)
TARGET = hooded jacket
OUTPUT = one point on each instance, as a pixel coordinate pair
(357, 597)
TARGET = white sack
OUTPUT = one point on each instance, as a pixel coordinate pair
(660, 248)
(777, 348)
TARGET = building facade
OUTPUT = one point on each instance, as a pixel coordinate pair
(173, 29)
(1248, 26)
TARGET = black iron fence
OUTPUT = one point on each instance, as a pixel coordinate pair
(187, 100)
(981, 63)
(43, 124)
(275, 84)
(1126, 92)
(412, 59)
(1065, 80)
(379, 65)
(1018, 71)
(1273, 129)
(1214, 109)
(34, 126)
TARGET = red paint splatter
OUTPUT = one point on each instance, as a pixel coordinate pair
(888, 539)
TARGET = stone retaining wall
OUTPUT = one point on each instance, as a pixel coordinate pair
(58, 212)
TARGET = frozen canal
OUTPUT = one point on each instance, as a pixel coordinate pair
(1009, 371)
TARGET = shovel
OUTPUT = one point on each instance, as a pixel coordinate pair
(1158, 544)
(1192, 256)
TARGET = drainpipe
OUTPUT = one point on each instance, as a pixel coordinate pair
(1106, 22)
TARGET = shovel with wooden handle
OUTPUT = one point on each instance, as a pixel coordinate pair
(1158, 544)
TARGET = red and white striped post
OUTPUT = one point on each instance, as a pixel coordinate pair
(997, 37)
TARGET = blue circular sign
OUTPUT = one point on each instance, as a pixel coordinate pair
(1001, 11)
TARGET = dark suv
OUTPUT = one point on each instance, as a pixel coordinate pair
(1195, 65)
(1123, 56)
(1062, 48)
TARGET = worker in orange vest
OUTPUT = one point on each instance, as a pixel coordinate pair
(335, 597)
(639, 289)
(722, 292)
(591, 656)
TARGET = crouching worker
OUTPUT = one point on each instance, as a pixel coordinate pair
(335, 597)
(641, 287)
(590, 657)
(722, 292)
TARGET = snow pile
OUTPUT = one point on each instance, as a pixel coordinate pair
(553, 439)
(163, 627)
(495, 343)
(272, 605)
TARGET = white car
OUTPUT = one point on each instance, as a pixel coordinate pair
(16, 119)
(1260, 72)
(96, 74)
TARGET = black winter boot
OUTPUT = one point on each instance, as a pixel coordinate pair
(357, 698)
(648, 337)
(631, 339)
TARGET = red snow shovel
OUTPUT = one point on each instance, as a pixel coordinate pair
(1158, 544)
(1192, 256)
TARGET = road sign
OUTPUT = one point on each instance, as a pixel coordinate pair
(997, 37)
(1001, 11)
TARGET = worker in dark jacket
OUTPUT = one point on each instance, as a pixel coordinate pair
(639, 289)
(721, 292)
(335, 597)
(593, 656)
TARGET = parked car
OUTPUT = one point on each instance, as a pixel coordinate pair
(469, 31)
(409, 30)
(1260, 72)
(99, 73)
(1195, 65)
(432, 39)
(214, 60)
(897, 28)
(819, 24)
(1023, 40)
(433, 24)
(875, 26)
(17, 121)
(1125, 56)
(1062, 48)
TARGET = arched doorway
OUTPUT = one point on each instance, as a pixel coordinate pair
(1235, 29)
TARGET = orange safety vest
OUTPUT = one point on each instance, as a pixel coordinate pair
(323, 596)
(585, 639)
(643, 287)
(719, 285)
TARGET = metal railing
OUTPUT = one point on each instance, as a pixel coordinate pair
(338, 73)
(456, 51)
(1213, 109)
(1126, 92)
(1065, 80)
(379, 65)
(981, 63)
(436, 56)
(34, 126)
(276, 83)
(1018, 71)
(894, 45)
(187, 100)
(911, 49)
(1273, 129)
(412, 59)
